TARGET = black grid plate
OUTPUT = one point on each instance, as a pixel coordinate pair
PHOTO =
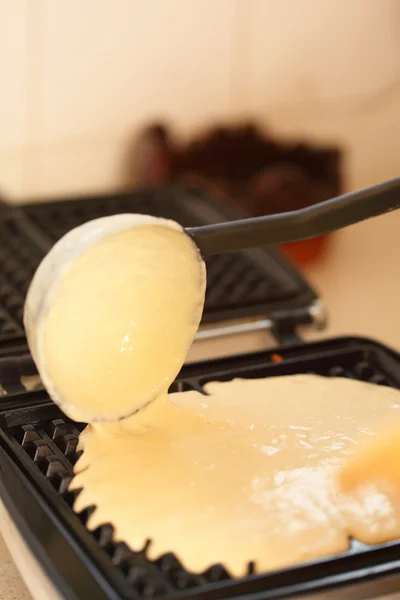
(239, 284)
(38, 450)
(19, 258)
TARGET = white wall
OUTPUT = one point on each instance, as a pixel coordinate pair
(79, 77)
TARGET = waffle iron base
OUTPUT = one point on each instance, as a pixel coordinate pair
(37, 453)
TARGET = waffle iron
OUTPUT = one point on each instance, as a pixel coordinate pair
(38, 450)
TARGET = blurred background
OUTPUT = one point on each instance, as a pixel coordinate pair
(83, 80)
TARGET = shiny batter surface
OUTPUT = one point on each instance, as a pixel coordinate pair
(121, 321)
(245, 473)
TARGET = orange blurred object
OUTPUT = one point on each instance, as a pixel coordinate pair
(377, 463)
(307, 252)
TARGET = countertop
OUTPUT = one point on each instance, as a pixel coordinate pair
(359, 280)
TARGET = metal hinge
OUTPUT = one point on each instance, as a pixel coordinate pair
(285, 323)
(281, 324)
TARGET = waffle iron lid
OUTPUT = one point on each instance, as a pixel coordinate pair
(256, 283)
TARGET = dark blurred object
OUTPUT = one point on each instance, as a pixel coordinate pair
(249, 168)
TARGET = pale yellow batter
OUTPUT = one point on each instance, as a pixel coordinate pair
(244, 473)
